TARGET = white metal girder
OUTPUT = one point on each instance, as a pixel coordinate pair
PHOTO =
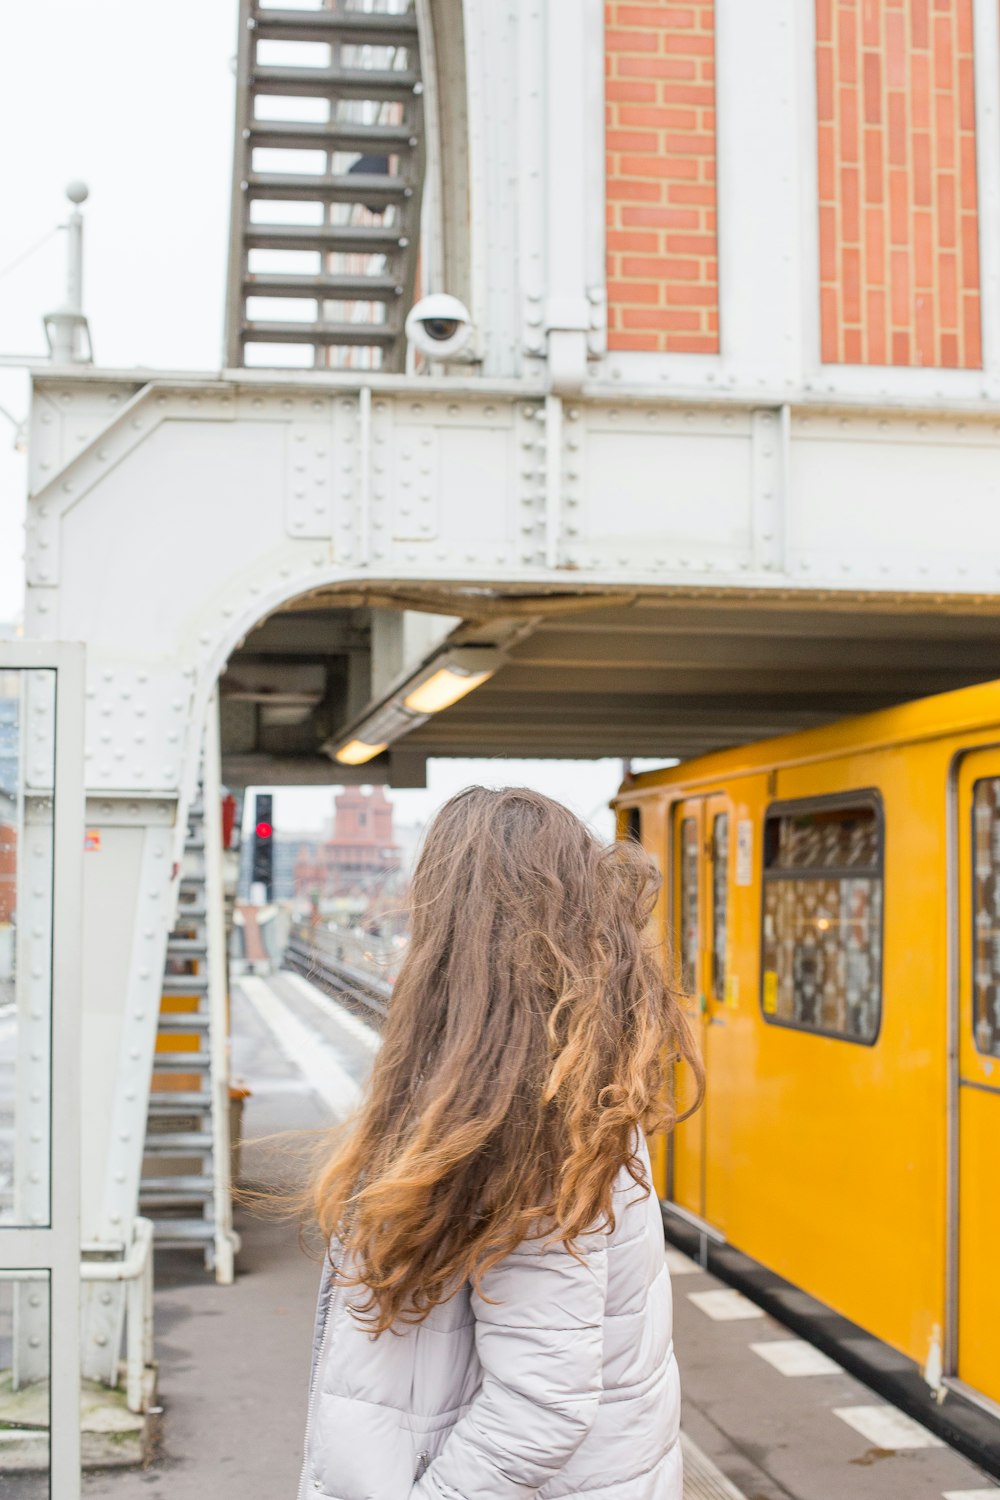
(170, 521)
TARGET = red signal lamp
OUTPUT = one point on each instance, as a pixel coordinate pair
(264, 830)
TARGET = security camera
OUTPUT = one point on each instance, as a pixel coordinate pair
(439, 326)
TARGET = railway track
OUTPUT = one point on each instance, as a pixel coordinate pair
(308, 954)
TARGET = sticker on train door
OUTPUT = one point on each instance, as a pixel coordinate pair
(770, 997)
(744, 851)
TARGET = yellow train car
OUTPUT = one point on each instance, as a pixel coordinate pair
(833, 904)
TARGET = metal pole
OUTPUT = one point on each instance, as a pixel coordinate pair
(74, 259)
(66, 329)
(218, 999)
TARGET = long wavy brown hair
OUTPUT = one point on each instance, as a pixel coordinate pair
(532, 1030)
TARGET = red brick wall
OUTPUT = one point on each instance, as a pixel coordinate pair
(663, 284)
(898, 218)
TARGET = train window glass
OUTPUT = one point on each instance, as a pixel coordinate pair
(634, 815)
(689, 905)
(720, 892)
(822, 918)
(986, 915)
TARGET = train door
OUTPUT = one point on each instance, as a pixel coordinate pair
(978, 1078)
(700, 904)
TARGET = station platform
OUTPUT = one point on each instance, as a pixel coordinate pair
(766, 1416)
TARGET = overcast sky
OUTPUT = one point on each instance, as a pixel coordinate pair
(137, 100)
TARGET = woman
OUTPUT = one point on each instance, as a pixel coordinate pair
(495, 1316)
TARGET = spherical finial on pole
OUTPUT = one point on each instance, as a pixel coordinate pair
(77, 191)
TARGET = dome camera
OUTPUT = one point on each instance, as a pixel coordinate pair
(439, 326)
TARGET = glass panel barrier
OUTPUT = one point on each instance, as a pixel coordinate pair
(27, 779)
(24, 1394)
(41, 866)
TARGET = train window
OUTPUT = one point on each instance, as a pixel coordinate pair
(822, 917)
(986, 915)
(689, 905)
(634, 824)
(720, 893)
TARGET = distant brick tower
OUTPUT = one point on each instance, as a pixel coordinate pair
(362, 852)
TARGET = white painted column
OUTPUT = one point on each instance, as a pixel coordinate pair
(766, 149)
(986, 20)
(573, 33)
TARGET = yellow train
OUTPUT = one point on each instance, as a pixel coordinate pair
(833, 900)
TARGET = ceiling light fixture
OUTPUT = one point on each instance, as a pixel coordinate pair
(357, 752)
(446, 679)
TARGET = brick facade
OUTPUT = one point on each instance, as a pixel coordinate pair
(898, 215)
(663, 285)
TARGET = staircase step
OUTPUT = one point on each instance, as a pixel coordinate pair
(178, 1142)
(360, 28)
(326, 288)
(182, 947)
(350, 188)
(341, 83)
(349, 239)
(361, 335)
(172, 1021)
(181, 1062)
(179, 1101)
(169, 1232)
(178, 1189)
(184, 984)
(333, 135)
(190, 912)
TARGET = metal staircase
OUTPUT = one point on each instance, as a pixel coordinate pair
(327, 176)
(185, 1186)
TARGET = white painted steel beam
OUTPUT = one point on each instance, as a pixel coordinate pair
(476, 490)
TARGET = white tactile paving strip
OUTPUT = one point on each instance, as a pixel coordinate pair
(887, 1428)
(312, 1055)
(796, 1357)
(703, 1480)
(680, 1264)
(331, 1009)
(725, 1305)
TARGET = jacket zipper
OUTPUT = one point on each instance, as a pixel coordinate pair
(313, 1385)
(423, 1462)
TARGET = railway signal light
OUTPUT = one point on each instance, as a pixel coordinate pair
(262, 862)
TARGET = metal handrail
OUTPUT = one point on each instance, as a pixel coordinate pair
(136, 1268)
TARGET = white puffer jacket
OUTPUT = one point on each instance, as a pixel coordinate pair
(563, 1383)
